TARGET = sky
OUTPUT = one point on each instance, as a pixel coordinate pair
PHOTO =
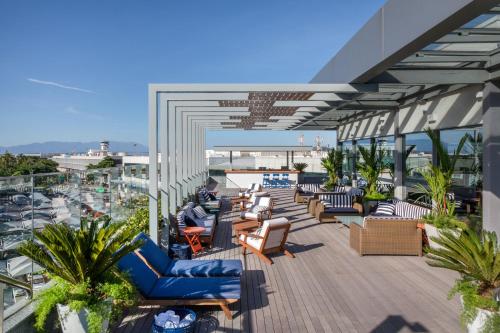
(78, 70)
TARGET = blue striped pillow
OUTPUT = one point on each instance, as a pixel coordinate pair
(385, 208)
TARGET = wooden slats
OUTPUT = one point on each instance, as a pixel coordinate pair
(326, 288)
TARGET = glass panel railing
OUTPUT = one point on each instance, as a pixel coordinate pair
(29, 203)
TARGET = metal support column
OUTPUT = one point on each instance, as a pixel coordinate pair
(353, 165)
(231, 159)
(153, 166)
(287, 160)
(491, 156)
(399, 161)
(435, 157)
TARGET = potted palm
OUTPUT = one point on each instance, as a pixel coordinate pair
(332, 163)
(439, 180)
(86, 287)
(300, 167)
(370, 168)
(477, 259)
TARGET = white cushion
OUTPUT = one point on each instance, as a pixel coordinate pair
(275, 236)
(249, 215)
(385, 208)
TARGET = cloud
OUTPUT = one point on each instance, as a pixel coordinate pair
(58, 85)
(74, 111)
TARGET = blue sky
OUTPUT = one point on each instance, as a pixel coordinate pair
(78, 71)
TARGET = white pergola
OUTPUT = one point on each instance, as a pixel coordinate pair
(414, 64)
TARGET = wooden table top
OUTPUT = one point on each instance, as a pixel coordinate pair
(194, 230)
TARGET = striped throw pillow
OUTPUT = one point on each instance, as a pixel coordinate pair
(199, 212)
(385, 208)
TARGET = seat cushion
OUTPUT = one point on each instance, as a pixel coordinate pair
(139, 273)
(204, 268)
(196, 288)
(341, 210)
(153, 254)
(256, 243)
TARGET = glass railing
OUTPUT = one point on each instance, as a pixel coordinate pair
(29, 203)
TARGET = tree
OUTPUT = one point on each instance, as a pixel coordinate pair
(106, 162)
(11, 165)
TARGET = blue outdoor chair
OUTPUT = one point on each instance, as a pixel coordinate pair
(170, 291)
(285, 182)
(276, 180)
(266, 182)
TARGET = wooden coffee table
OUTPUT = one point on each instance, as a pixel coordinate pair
(247, 225)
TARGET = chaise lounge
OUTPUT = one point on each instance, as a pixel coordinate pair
(175, 290)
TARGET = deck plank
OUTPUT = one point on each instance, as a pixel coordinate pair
(326, 288)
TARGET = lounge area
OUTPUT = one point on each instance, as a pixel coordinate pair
(326, 287)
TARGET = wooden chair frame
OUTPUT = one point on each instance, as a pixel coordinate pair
(223, 303)
(261, 252)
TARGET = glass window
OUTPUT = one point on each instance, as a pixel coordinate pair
(418, 156)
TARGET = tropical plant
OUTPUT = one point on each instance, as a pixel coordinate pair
(300, 166)
(332, 163)
(477, 259)
(82, 265)
(474, 144)
(372, 165)
(439, 178)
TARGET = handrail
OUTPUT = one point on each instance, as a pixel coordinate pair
(15, 283)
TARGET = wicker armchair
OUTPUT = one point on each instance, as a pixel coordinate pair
(386, 236)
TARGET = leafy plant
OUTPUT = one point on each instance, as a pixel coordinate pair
(106, 162)
(371, 166)
(332, 163)
(439, 178)
(11, 165)
(444, 221)
(300, 167)
(477, 259)
(376, 196)
(82, 264)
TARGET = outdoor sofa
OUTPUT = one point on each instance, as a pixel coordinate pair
(190, 210)
(336, 204)
(392, 234)
(304, 192)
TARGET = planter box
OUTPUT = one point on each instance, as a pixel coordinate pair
(432, 231)
(76, 322)
(477, 325)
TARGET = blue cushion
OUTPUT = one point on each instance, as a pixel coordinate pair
(140, 274)
(204, 268)
(153, 254)
(341, 210)
(196, 288)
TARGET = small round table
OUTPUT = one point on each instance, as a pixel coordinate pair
(192, 235)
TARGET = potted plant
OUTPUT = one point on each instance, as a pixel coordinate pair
(370, 168)
(439, 180)
(332, 163)
(477, 259)
(300, 167)
(86, 287)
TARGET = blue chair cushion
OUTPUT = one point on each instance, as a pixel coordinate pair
(196, 288)
(204, 268)
(341, 210)
(140, 274)
(153, 254)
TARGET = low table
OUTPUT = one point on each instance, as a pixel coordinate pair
(245, 225)
(347, 220)
(192, 235)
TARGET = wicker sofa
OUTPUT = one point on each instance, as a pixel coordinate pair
(396, 234)
(334, 204)
(304, 192)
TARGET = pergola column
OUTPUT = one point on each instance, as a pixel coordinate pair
(491, 156)
(153, 166)
(435, 157)
(287, 160)
(340, 147)
(399, 161)
(354, 157)
(231, 159)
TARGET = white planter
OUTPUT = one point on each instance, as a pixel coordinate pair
(477, 325)
(432, 231)
(76, 322)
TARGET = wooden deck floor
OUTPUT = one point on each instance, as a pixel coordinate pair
(326, 288)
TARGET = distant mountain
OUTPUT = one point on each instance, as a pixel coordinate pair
(54, 147)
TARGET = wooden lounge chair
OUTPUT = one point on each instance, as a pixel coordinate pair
(259, 209)
(270, 238)
(170, 291)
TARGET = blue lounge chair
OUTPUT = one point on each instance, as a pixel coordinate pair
(165, 266)
(171, 291)
(266, 183)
